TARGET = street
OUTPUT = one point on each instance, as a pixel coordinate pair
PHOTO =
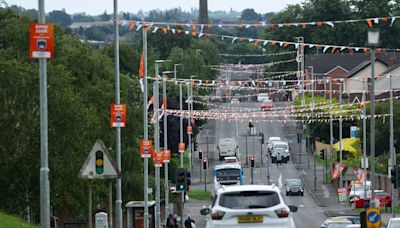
(309, 214)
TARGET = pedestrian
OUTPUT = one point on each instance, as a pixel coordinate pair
(189, 222)
(171, 222)
(278, 159)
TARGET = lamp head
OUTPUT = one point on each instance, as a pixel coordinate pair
(373, 37)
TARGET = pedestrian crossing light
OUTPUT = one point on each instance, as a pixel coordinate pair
(200, 154)
(181, 179)
(204, 164)
(99, 162)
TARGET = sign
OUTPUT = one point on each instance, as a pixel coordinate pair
(338, 168)
(167, 155)
(99, 164)
(373, 218)
(181, 147)
(342, 194)
(364, 163)
(189, 130)
(41, 41)
(354, 131)
(158, 158)
(145, 148)
(118, 115)
(360, 174)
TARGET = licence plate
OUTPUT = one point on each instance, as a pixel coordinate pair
(250, 219)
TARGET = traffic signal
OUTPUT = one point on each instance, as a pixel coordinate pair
(195, 146)
(262, 138)
(322, 154)
(252, 161)
(188, 181)
(181, 179)
(200, 154)
(99, 162)
(204, 163)
(393, 176)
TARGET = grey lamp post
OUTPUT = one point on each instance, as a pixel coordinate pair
(373, 42)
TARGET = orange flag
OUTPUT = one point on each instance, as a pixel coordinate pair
(141, 73)
(369, 21)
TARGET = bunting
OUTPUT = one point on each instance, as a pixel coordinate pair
(141, 73)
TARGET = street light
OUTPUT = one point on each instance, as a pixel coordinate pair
(190, 108)
(373, 42)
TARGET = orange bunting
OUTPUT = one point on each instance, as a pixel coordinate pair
(285, 44)
(165, 30)
(304, 25)
(242, 39)
(131, 25)
(273, 42)
(288, 25)
(209, 26)
(141, 67)
(273, 25)
(194, 26)
(242, 26)
(179, 31)
(148, 28)
(369, 21)
(319, 23)
(334, 49)
(384, 19)
(194, 33)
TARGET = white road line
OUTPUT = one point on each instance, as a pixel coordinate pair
(280, 183)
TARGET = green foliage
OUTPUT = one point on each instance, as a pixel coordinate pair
(11, 221)
(351, 151)
(199, 194)
(60, 17)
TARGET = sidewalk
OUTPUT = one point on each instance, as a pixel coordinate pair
(325, 195)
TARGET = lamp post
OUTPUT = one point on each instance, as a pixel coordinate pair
(392, 152)
(373, 42)
(190, 108)
(146, 136)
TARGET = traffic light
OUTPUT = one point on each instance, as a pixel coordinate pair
(181, 179)
(252, 161)
(262, 138)
(204, 163)
(195, 146)
(200, 154)
(188, 181)
(322, 154)
(99, 162)
(393, 176)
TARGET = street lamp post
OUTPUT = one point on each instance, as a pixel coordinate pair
(340, 134)
(364, 141)
(146, 135)
(373, 42)
(392, 152)
(190, 108)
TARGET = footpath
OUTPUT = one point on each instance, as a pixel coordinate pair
(325, 195)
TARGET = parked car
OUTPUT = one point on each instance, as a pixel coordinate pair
(249, 206)
(393, 223)
(294, 186)
(384, 199)
(336, 222)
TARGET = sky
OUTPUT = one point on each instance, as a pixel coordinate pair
(95, 7)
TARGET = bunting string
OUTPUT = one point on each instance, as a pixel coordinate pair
(259, 55)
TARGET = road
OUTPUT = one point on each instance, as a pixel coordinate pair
(308, 214)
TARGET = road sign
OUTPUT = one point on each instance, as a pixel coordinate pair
(41, 41)
(118, 115)
(158, 159)
(181, 147)
(373, 218)
(99, 164)
(145, 148)
(189, 130)
(167, 155)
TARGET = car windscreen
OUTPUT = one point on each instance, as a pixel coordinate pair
(249, 199)
(280, 146)
(227, 172)
(294, 183)
(380, 193)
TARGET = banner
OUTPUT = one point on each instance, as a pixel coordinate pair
(337, 170)
(360, 174)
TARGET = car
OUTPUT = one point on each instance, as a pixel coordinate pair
(270, 140)
(294, 186)
(246, 206)
(216, 99)
(384, 199)
(353, 226)
(235, 101)
(280, 149)
(353, 218)
(335, 222)
(231, 160)
(262, 97)
(393, 223)
(227, 147)
(267, 105)
(357, 187)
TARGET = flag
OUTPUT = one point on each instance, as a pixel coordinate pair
(337, 170)
(151, 101)
(141, 72)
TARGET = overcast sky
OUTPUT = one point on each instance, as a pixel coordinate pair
(94, 7)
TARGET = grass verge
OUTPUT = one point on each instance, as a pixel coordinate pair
(200, 194)
(12, 221)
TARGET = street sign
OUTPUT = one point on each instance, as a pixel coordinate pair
(41, 41)
(99, 164)
(189, 130)
(364, 163)
(373, 218)
(181, 147)
(167, 155)
(118, 115)
(145, 148)
(158, 159)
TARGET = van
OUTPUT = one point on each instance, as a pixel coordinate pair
(227, 147)
(356, 188)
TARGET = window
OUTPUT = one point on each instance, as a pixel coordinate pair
(249, 199)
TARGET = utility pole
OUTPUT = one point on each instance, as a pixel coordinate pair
(300, 67)
(166, 187)
(146, 134)
(392, 152)
(118, 200)
(340, 134)
(44, 148)
(312, 114)
(157, 144)
(330, 125)
(364, 141)
(181, 141)
(189, 124)
(372, 143)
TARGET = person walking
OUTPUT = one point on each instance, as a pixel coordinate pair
(189, 222)
(278, 159)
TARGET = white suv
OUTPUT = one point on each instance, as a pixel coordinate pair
(249, 206)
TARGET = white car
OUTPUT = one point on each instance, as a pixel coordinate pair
(270, 140)
(262, 97)
(231, 160)
(394, 223)
(249, 206)
(235, 101)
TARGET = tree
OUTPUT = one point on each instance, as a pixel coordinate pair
(60, 17)
(249, 15)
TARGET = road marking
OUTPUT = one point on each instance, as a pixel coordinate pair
(301, 205)
(326, 191)
(280, 184)
(304, 172)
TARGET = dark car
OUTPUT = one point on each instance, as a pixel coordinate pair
(294, 187)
